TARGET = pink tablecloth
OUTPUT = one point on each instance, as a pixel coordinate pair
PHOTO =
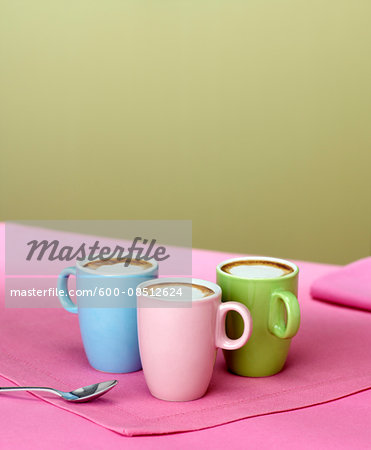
(326, 391)
(341, 424)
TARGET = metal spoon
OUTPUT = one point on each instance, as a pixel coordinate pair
(83, 394)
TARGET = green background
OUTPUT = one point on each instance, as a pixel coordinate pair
(252, 118)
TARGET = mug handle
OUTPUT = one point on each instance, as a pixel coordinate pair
(65, 299)
(222, 340)
(282, 301)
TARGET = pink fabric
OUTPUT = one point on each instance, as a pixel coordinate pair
(43, 347)
(349, 286)
(341, 424)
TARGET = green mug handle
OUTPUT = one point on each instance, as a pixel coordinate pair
(281, 301)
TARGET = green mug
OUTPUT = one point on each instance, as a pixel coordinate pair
(268, 287)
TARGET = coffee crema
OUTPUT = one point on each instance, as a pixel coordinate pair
(188, 290)
(115, 266)
(257, 269)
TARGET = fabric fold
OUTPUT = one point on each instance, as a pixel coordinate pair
(349, 285)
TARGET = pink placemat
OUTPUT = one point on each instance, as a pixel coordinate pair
(329, 359)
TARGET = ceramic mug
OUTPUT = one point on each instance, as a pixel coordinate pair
(178, 338)
(275, 312)
(107, 317)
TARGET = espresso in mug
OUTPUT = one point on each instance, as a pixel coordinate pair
(268, 287)
(178, 345)
(107, 309)
(254, 269)
(178, 290)
(115, 266)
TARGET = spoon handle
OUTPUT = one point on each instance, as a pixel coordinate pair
(24, 388)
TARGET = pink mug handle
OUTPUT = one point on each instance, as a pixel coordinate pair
(222, 340)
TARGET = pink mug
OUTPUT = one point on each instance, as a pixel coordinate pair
(179, 335)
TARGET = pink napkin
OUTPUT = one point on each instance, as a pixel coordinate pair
(349, 285)
(329, 359)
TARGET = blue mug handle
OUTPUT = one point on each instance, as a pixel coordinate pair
(65, 299)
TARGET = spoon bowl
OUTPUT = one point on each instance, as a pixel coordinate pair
(87, 393)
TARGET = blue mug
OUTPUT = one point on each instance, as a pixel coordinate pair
(107, 311)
